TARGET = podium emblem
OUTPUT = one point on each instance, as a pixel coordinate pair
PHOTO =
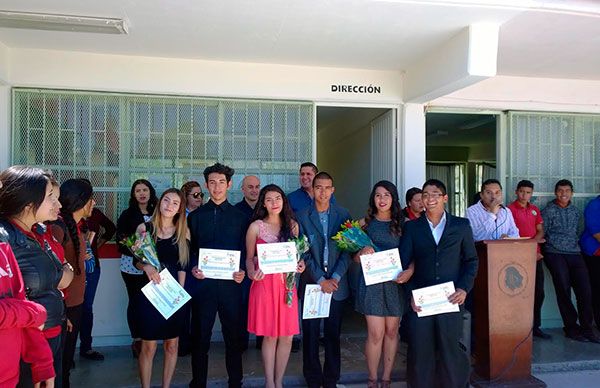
(513, 279)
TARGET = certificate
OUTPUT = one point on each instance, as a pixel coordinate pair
(381, 266)
(218, 263)
(316, 302)
(277, 257)
(433, 300)
(167, 296)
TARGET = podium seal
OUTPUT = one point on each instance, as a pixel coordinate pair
(513, 279)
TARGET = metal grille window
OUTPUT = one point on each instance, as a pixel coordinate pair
(113, 139)
(545, 147)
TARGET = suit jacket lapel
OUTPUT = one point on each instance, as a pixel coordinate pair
(313, 216)
(446, 227)
(426, 230)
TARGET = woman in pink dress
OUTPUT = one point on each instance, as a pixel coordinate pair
(269, 314)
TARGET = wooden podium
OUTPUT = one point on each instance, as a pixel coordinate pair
(503, 314)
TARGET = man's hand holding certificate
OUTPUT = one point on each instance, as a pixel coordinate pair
(277, 257)
(435, 300)
(316, 302)
(218, 263)
(381, 266)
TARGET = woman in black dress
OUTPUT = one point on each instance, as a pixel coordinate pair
(170, 233)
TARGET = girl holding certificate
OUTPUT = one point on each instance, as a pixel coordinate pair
(169, 231)
(382, 303)
(269, 314)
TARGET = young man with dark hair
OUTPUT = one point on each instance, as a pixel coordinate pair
(441, 247)
(216, 225)
(414, 204)
(567, 267)
(528, 219)
(326, 265)
(490, 220)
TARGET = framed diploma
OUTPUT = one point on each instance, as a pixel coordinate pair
(277, 257)
(218, 263)
(167, 296)
(316, 302)
(381, 266)
(433, 300)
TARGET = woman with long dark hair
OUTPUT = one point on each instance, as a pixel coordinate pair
(27, 197)
(169, 231)
(268, 313)
(383, 303)
(142, 201)
(76, 198)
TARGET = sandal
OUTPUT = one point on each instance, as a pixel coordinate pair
(372, 383)
(386, 383)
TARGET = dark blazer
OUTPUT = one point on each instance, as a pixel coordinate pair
(454, 259)
(338, 261)
(127, 224)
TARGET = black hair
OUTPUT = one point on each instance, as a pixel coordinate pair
(22, 186)
(219, 168)
(310, 164)
(490, 181)
(563, 182)
(74, 195)
(285, 216)
(410, 193)
(397, 216)
(437, 183)
(152, 202)
(322, 175)
(525, 183)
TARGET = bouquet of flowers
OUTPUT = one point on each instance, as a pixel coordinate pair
(351, 238)
(142, 246)
(290, 277)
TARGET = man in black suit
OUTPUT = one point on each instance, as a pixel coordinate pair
(441, 247)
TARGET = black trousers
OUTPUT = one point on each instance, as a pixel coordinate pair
(210, 297)
(74, 315)
(593, 266)
(435, 357)
(244, 335)
(539, 295)
(133, 284)
(569, 271)
(329, 375)
(56, 346)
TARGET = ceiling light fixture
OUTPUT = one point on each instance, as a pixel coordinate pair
(55, 22)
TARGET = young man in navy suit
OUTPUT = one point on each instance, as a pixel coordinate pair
(441, 248)
(326, 266)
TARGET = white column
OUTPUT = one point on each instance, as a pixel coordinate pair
(5, 118)
(411, 168)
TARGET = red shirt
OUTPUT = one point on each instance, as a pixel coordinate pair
(19, 326)
(526, 218)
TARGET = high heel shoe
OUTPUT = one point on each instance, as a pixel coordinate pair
(136, 348)
(372, 383)
(385, 384)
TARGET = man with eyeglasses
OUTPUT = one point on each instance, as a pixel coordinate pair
(490, 219)
(441, 248)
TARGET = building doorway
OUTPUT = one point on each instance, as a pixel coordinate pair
(461, 152)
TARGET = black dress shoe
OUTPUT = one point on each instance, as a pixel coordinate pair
(537, 332)
(577, 337)
(592, 338)
(92, 355)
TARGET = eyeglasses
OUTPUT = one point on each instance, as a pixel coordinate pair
(431, 195)
(196, 195)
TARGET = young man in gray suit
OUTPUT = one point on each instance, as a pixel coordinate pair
(326, 266)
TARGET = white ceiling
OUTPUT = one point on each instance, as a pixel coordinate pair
(375, 34)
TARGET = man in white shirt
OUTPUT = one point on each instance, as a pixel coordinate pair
(490, 219)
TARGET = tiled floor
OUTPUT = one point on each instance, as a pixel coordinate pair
(120, 369)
